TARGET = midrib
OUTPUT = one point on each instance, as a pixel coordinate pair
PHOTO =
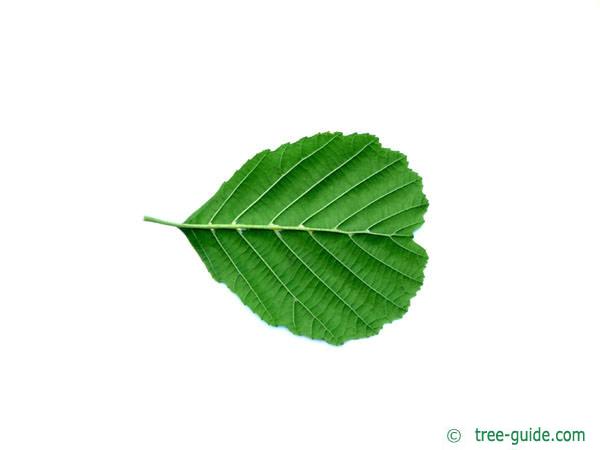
(272, 227)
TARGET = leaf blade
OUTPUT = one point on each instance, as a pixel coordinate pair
(316, 236)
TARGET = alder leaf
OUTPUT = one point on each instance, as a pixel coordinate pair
(317, 236)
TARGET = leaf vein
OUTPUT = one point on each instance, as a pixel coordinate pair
(236, 188)
(284, 285)
(376, 200)
(347, 191)
(241, 274)
(383, 262)
(396, 214)
(348, 305)
(321, 180)
(355, 275)
(204, 252)
(420, 222)
(283, 176)
(406, 248)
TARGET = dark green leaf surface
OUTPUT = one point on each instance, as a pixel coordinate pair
(316, 236)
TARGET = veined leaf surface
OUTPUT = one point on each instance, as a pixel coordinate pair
(317, 235)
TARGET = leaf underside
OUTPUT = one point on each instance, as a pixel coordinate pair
(317, 236)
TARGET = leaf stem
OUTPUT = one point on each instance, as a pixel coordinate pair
(162, 222)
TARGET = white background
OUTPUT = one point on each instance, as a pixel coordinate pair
(114, 336)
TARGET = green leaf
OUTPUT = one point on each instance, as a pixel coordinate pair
(317, 236)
